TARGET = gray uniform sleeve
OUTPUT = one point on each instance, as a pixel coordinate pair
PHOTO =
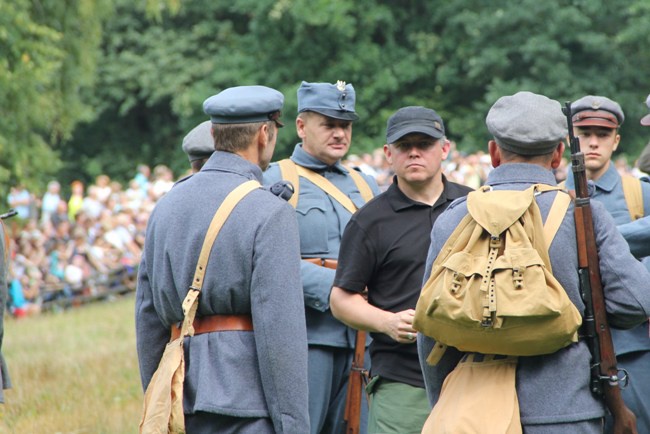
(279, 321)
(626, 282)
(151, 333)
(637, 235)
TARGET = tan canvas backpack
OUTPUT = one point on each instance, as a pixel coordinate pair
(491, 288)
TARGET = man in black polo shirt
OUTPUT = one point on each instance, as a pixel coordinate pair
(383, 250)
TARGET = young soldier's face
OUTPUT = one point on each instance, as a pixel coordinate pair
(597, 144)
(417, 158)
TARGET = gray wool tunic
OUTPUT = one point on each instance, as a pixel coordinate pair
(5, 382)
(554, 388)
(254, 269)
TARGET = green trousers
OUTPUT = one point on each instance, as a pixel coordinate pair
(396, 408)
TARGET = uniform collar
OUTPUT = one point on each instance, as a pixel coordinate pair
(399, 201)
(609, 179)
(221, 161)
(304, 159)
(520, 173)
(607, 182)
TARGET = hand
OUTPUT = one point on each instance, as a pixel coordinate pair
(400, 326)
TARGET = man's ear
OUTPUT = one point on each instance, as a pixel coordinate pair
(300, 127)
(263, 136)
(446, 147)
(495, 154)
(388, 153)
(557, 156)
(617, 140)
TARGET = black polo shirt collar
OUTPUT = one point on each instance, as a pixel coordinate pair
(399, 201)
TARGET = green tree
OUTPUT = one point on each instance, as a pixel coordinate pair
(160, 60)
(51, 52)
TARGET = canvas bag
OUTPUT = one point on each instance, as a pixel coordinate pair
(491, 288)
(162, 412)
(478, 396)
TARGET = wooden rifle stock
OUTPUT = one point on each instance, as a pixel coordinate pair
(604, 372)
(356, 384)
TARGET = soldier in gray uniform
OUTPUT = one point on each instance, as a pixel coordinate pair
(644, 158)
(637, 233)
(596, 121)
(252, 379)
(5, 382)
(198, 144)
(324, 123)
(553, 390)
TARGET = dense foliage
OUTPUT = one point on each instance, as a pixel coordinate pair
(91, 86)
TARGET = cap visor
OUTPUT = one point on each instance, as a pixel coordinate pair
(595, 122)
(431, 132)
(645, 121)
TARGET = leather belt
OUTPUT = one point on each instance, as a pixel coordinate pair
(327, 263)
(217, 323)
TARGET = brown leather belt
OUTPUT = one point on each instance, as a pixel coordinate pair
(327, 263)
(217, 323)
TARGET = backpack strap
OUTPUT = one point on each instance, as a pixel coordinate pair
(290, 171)
(191, 302)
(555, 216)
(633, 196)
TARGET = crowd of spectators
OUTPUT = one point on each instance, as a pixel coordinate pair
(90, 243)
(67, 249)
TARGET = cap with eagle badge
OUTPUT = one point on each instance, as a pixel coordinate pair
(597, 111)
(331, 100)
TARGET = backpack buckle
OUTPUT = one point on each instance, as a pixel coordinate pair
(518, 277)
(455, 283)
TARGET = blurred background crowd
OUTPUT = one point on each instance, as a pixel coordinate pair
(84, 244)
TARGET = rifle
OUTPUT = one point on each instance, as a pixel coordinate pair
(12, 212)
(604, 372)
(356, 383)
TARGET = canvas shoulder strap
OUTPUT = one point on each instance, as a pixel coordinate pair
(190, 304)
(362, 185)
(291, 172)
(555, 216)
(633, 196)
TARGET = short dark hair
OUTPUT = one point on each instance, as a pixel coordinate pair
(237, 137)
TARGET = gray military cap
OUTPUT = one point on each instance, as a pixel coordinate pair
(332, 100)
(245, 104)
(526, 123)
(645, 120)
(199, 143)
(414, 119)
(596, 111)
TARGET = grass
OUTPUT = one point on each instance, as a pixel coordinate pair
(73, 372)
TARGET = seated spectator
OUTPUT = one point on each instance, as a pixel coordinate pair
(102, 188)
(19, 307)
(76, 199)
(50, 201)
(20, 199)
(77, 273)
